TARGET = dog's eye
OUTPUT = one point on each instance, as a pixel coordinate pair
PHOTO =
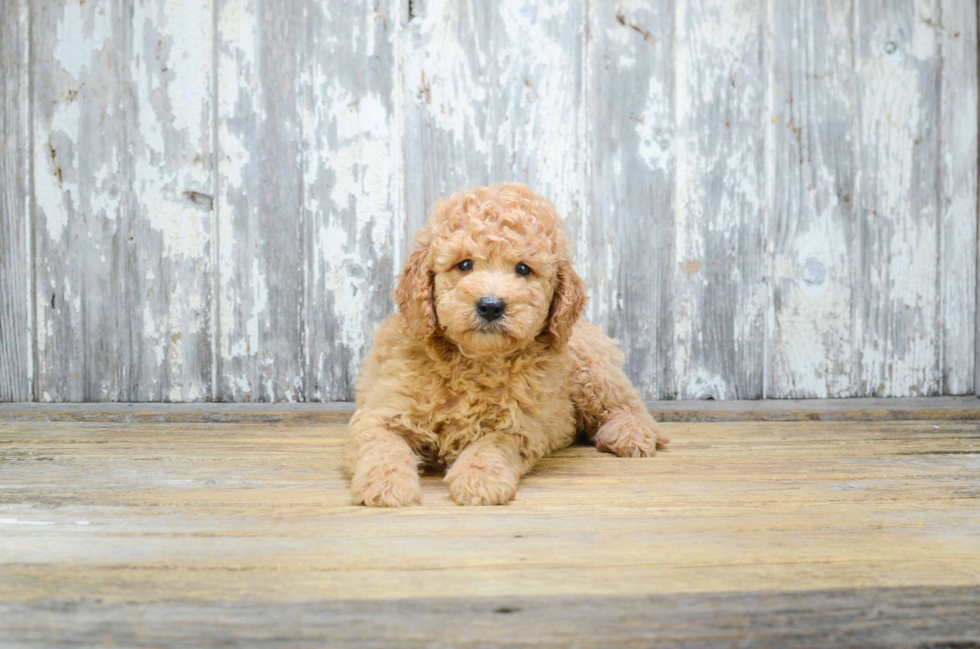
(465, 265)
(523, 269)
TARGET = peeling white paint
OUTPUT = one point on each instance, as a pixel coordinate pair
(653, 128)
(899, 354)
(348, 292)
(183, 226)
(467, 101)
(260, 301)
(700, 384)
(240, 99)
(81, 34)
(440, 73)
(958, 207)
(360, 162)
(57, 196)
(719, 231)
(187, 25)
(122, 134)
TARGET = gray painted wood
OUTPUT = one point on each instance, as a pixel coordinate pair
(308, 180)
(766, 199)
(720, 287)
(260, 250)
(15, 195)
(810, 179)
(631, 230)
(351, 187)
(122, 132)
(957, 33)
(492, 92)
(895, 131)
(446, 84)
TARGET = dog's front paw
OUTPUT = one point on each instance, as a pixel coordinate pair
(626, 435)
(470, 485)
(386, 485)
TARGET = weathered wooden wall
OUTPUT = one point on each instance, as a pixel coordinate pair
(210, 200)
(15, 205)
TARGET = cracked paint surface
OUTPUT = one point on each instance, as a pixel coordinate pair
(766, 200)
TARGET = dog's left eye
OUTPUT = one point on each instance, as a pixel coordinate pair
(523, 269)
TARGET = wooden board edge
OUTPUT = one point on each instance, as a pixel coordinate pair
(966, 408)
(930, 617)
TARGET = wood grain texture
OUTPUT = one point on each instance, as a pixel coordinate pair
(720, 291)
(352, 210)
(206, 522)
(16, 341)
(766, 199)
(630, 235)
(492, 92)
(860, 618)
(122, 131)
(260, 202)
(958, 154)
(307, 199)
(810, 180)
(898, 319)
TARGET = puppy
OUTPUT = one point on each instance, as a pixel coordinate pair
(487, 367)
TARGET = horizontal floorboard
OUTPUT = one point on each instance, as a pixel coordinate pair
(876, 617)
(157, 528)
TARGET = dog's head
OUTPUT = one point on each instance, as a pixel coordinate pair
(492, 273)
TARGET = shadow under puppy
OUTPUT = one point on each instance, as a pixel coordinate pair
(487, 367)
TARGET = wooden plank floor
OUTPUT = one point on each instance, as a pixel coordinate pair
(134, 530)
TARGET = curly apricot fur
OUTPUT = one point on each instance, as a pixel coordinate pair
(485, 401)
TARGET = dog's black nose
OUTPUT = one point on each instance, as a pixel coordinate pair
(491, 308)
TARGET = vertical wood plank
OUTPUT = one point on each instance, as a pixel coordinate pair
(895, 130)
(536, 60)
(492, 92)
(447, 85)
(958, 201)
(307, 204)
(15, 176)
(260, 202)
(811, 188)
(350, 166)
(630, 233)
(676, 139)
(720, 292)
(122, 130)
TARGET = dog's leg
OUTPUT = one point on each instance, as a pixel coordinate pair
(608, 407)
(384, 469)
(488, 470)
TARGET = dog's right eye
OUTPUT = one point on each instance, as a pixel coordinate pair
(465, 265)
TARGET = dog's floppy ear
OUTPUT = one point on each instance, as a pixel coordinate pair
(414, 294)
(566, 305)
